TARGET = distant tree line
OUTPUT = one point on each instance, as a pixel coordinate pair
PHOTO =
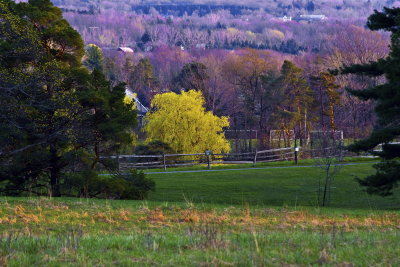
(288, 47)
(188, 9)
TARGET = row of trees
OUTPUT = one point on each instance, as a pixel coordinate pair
(337, 9)
(57, 118)
(219, 30)
(257, 90)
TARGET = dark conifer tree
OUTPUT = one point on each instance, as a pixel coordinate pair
(294, 110)
(143, 81)
(52, 110)
(192, 76)
(387, 106)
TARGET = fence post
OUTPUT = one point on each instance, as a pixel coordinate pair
(296, 150)
(119, 169)
(165, 165)
(208, 153)
(255, 159)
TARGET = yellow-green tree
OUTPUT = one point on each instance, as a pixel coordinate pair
(181, 121)
(94, 58)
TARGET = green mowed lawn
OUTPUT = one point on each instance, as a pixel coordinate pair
(271, 187)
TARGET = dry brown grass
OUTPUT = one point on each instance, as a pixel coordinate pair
(214, 236)
(44, 214)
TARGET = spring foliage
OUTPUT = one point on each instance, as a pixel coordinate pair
(94, 58)
(181, 121)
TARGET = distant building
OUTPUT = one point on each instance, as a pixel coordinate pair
(148, 48)
(141, 109)
(201, 46)
(181, 45)
(125, 49)
(311, 18)
(285, 18)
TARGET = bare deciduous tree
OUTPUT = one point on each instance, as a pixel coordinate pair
(327, 153)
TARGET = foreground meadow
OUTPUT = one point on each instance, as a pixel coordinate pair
(68, 232)
(254, 217)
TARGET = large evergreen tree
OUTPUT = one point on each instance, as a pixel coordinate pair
(106, 126)
(40, 87)
(52, 110)
(387, 106)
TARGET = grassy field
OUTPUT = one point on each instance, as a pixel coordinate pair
(263, 217)
(271, 187)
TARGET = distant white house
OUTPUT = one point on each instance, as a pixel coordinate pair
(148, 48)
(201, 46)
(125, 49)
(286, 18)
(311, 17)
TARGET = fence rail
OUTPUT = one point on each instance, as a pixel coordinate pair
(165, 161)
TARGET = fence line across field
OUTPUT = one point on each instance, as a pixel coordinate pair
(176, 160)
(165, 161)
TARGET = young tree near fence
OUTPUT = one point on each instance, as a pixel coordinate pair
(387, 106)
(327, 153)
(182, 122)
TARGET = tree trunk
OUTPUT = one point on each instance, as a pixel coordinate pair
(322, 109)
(97, 154)
(327, 186)
(54, 172)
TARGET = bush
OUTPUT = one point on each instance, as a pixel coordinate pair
(138, 186)
(133, 185)
(155, 147)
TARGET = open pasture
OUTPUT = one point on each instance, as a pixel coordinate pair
(226, 218)
(292, 186)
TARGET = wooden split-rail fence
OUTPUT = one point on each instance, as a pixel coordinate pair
(164, 161)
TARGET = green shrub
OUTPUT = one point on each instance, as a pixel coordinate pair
(138, 186)
(133, 185)
(155, 147)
